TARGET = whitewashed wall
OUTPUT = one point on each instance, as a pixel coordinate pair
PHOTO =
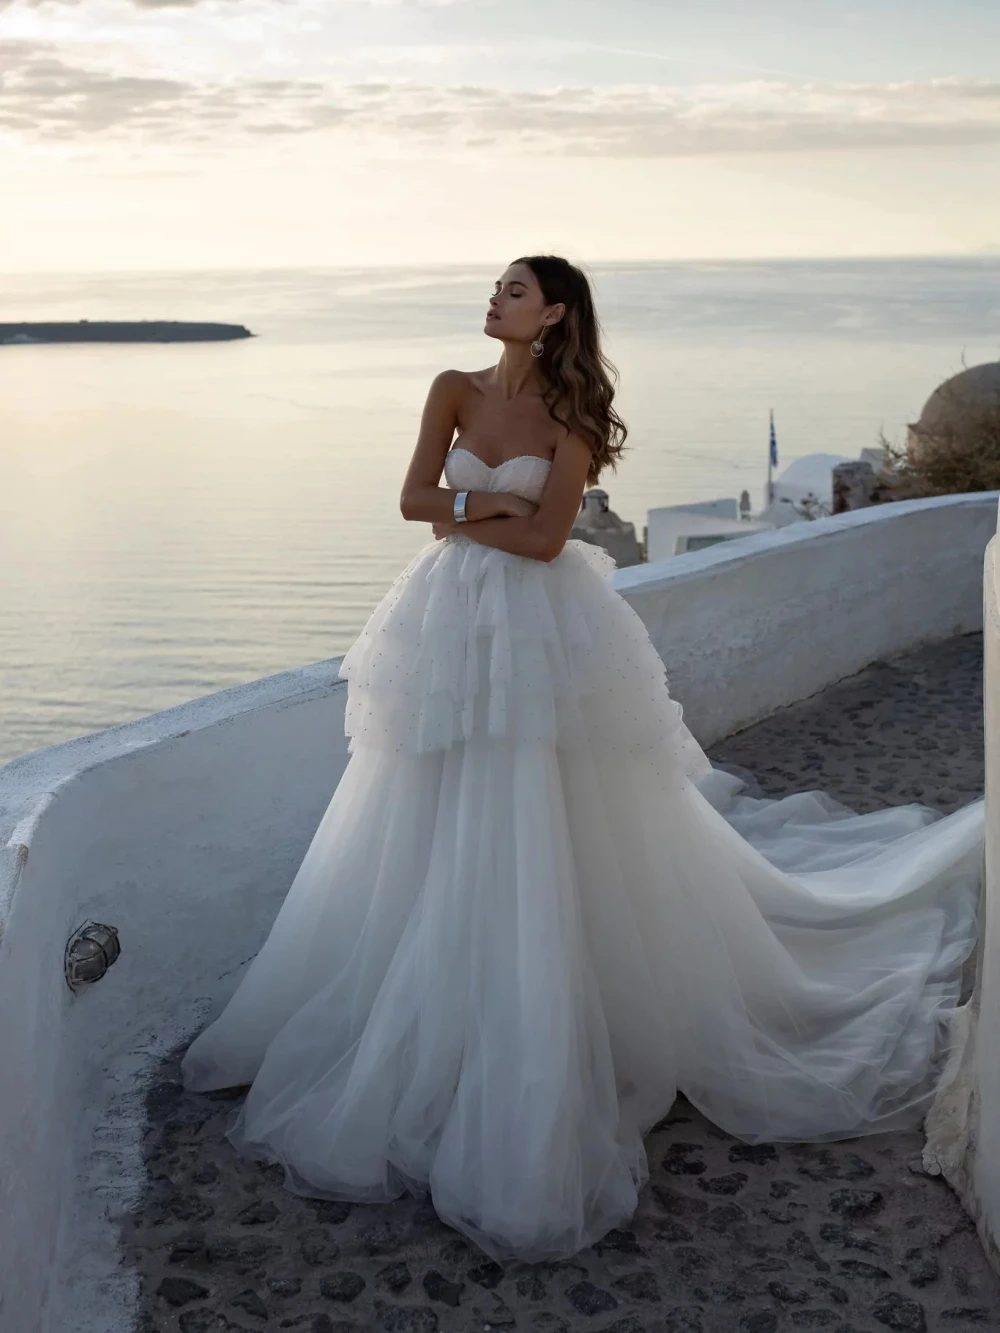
(751, 625)
(181, 830)
(963, 1128)
(184, 829)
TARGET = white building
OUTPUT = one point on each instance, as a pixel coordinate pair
(811, 475)
(676, 529)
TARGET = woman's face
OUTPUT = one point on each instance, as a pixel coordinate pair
(517, 309)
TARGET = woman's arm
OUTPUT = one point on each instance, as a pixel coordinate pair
(422, 500)
(544, 534)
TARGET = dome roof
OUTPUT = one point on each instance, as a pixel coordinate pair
(969, 390)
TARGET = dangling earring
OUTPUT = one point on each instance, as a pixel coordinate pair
(537, 347)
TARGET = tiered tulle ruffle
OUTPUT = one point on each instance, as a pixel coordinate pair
(472, 643)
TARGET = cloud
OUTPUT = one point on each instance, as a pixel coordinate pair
(190, 4)
(51, 93)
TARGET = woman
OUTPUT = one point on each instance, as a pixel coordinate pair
(533, 910)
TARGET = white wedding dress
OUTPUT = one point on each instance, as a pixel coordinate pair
(533, 912)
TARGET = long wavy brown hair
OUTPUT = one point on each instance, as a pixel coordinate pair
(580, 380)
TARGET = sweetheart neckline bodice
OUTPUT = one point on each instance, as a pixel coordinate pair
(460, 449)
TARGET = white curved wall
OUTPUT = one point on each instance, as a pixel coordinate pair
(986, 1143)
(184, 829)
(180, 830)
(963, 1127)
(749, 626)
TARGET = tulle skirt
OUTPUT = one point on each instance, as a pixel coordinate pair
(533, 912)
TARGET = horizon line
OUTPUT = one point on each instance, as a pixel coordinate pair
(986, 252)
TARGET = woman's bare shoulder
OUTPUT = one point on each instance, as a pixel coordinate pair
(461, 381)
(477, 379)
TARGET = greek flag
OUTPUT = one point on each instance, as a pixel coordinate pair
(774, 443)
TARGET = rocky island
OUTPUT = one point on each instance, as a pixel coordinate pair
(120, 331)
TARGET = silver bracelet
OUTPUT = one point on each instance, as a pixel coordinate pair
(459, 507)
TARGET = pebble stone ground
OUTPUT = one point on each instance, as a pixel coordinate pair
(848, 1237)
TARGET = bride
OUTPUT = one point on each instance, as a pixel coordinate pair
(533, 911)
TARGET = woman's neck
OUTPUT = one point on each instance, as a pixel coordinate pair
(515, 373)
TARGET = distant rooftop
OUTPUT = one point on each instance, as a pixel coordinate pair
(975, 388)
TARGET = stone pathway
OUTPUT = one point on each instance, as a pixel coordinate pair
(908, 728)
(845, 1237)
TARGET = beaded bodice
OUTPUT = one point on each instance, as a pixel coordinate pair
(524, 475)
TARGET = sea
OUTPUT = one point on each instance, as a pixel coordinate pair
(179, 518)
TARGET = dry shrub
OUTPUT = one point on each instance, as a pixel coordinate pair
(959, 455)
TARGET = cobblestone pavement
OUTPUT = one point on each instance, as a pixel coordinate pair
(908, 728)
(848, 1237)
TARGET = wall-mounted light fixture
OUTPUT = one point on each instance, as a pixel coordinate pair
(90, 951)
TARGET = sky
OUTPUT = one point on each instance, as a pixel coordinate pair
(155, 134)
